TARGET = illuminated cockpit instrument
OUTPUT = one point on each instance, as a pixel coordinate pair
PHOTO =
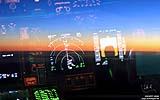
(46, 94)
(101, 45)
(66, 52)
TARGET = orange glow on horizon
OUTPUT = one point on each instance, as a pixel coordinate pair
(135, 43)
(148, 44)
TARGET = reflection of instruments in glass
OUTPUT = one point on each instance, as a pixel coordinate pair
(35, 31)
(32, 36)
(66, 53)
(86, 3)
(24, 33)
(3, 29)
(96, 48)
(49, 2)
(12, 1)
(106, 42)
(59, 9)
(12, 4)
(62, 6)
(101, 46)
(118, 44)
(121, 46)
(11, 25)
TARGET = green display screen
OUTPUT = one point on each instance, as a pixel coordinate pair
(45, 94)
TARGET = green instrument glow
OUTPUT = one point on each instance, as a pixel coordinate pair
(46, 94)
(81, 65)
